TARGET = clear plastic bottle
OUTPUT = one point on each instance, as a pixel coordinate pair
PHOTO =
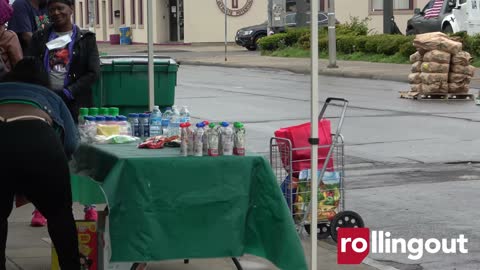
(135, 124)
(226, 135)
(184, 139)
(198, 140)
(239, 135)
(156, 122)
(125, 128)
(174, 125)
(100, 120)
(205, 138)
(167, 114)
(110, 120)
(83, 129)
(213, 138)
(184, 115)
(144, 125)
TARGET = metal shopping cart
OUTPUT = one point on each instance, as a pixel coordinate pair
(290, 160)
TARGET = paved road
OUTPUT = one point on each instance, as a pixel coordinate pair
(407, 161)
(408, 167)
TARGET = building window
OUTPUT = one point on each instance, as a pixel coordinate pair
(133, 12)
(140, 12)
(97, 12)
(110, 7)
(81, 15)
(377, 5)
(122, 12)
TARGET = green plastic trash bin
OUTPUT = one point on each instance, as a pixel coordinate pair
(123, 83)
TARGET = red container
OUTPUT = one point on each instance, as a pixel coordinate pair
(298, 135)
(115, 39)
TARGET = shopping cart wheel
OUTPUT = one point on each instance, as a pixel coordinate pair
(345, 219)
(323, 230)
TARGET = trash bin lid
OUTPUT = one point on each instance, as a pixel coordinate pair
(135, 60)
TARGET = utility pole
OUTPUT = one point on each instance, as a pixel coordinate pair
(387, 16)
(301, 18)
(226, 30)
(332, 36)
(269, 24)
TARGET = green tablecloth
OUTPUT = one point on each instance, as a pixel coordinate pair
(163, 206)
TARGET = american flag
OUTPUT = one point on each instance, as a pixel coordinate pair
(435, 10)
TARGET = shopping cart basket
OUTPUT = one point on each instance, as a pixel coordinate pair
(290, 159)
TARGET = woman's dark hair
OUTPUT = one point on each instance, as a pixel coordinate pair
(29, 70)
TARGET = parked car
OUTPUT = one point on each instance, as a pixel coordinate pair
(248, 36)
(420, 23)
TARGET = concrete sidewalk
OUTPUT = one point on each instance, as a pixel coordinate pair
(238, 57)
(27, 251)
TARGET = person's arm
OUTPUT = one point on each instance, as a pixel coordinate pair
(14, 50)
(71, 137)
(88, 79)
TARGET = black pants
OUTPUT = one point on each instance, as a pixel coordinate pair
(33, 163)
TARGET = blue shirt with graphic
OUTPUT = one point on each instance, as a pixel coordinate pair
(26, 18)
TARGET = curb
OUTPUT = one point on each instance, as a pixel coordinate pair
(299, 70)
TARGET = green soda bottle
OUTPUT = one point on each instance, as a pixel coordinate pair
(93, 111)
(103, 111)
(113, 111)
(81, 116)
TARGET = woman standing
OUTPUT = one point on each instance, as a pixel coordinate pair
(70, 56)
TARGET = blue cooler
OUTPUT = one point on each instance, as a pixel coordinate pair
(125, 35)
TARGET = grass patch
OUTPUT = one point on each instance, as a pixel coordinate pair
(357, 56)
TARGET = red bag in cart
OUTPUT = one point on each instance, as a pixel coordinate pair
(298, 135)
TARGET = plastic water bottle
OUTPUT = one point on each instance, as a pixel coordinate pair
(110, 120)
(198, 140)
(156, 122)
(226, 135)
(125, 128)
(184, 115)
(239, 139)
(100, 120)
(166, 120)
(205, 138)
(184, 139)
(213, 139)
(135, 124)
(144, 125)
(174, 125)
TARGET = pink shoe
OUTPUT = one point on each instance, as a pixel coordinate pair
(91, 214)
(38, 220)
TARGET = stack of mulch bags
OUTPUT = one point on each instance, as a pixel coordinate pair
(439, 65)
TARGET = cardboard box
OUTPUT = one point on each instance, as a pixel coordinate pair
(87, 244)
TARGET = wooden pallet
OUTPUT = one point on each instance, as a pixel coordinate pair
(436, 96)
